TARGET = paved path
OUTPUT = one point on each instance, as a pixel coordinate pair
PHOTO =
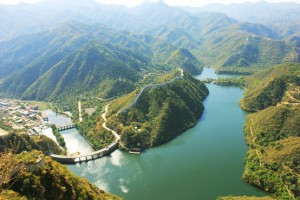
(79, 111)
(117, 136)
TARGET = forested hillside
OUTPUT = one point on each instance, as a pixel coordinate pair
(24, 142)
(33, 57)
(134, 66)
(272, 133)
(268, 88)
(84, 70)
(223, 42)
(161, 112)
(32, 175)
(90, 58)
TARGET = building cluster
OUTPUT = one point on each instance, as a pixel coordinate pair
(21, 116)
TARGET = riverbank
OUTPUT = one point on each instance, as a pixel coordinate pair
(204, 162)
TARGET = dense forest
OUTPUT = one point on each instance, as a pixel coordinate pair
(161, 112)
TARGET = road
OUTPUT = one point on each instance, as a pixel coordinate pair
(79, 111)
(117, 136)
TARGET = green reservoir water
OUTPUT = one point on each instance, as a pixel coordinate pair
(204, 162)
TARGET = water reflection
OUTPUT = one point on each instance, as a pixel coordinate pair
(57, 119)
(75, 142)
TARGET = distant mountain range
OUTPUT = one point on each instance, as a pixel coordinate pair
(276, 15)
(82, 43)
(74, 55)
(29, 18)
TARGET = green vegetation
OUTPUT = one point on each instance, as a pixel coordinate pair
(4, 126)
(160, 114)
(112, 88)
(273, 132)
(11, 195)
(43, 178)
(273, 159)
(58, 136)
(83, 71)
(75, 63)
(244, 198)
(91, 128)
(270, 87)
(184, 59)
(79, 59)
(259, 52)
(24, 142)
(232, 47)
(231, 81)
(42, 105)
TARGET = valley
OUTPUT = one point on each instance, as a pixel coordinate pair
(154, 101)
(196, 150)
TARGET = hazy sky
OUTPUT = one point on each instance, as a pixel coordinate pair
(170, 2)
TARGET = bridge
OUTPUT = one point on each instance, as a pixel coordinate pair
(86, 157)
(65, 126)
(90, 156)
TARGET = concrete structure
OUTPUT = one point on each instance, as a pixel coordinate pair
(65, 126)
(86, 157)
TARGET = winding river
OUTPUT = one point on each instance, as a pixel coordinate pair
(204, 162)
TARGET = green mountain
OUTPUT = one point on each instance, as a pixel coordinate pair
(42, 16)
(268, 88)
(71, 48)
(272, 132)
(35, 176)
(189, 32)
(158, 13)
(218, 40)
(84, 70)
(260, 52)
(274, 14)
(24, 142)
(258, 29)
(186, 60)
(159, 113)
(214, 38)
